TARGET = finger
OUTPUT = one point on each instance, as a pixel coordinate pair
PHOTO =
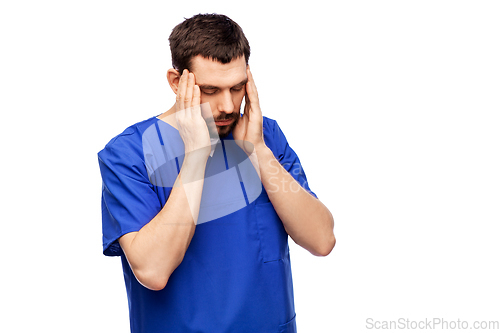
(188, 98)
(181, 91)
(251, 87)
(247, 105)
(196, 96)
(195, 102)
(252, 97)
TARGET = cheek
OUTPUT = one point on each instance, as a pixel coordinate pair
(210, 101)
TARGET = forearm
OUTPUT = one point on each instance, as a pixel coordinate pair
(158, 248)
(308, 222)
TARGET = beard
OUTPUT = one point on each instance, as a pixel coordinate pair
(223, 131)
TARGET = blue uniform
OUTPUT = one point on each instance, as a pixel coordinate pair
(236, 274)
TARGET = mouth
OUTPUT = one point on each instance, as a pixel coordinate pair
(223, 122)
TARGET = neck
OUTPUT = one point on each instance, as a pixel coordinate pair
(169, 120)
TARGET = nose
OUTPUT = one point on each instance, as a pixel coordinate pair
(225, 103)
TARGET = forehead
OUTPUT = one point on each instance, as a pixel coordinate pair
(214, 73)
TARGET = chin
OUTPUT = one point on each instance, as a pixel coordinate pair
(225, 130)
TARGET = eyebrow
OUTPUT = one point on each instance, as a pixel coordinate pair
(210, 87)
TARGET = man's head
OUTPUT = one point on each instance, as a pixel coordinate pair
(212, 36)
(215, 50)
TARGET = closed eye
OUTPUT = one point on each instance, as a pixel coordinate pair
(209, 91)
(212, 90)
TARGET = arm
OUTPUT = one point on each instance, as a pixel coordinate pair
(156, 250)
(308, 222)
(306, 219)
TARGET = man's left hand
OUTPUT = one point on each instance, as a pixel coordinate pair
(248, 132)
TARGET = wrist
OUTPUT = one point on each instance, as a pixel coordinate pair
(197, 155)
(261, 148)
(195, 160)
(193, 167)
(263, 155)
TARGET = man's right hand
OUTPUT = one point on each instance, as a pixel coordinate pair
(156, 250)
(191, 125)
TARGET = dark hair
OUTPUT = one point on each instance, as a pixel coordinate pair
(213, 36)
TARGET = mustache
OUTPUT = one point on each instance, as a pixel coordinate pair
(234, 115)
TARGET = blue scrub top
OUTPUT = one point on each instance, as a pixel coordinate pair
(236, 274)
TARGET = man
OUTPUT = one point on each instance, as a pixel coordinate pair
(199, 253)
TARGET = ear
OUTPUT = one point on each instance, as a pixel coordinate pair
(173, 78)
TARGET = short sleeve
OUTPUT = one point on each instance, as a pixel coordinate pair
(128, 197)
(284, 153)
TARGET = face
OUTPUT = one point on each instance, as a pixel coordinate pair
(223, 86)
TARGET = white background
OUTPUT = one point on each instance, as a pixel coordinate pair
(392, 106)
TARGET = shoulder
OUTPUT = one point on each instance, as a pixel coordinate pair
(269, 128)
(127, 144)
(273, 135)
(269, 125)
